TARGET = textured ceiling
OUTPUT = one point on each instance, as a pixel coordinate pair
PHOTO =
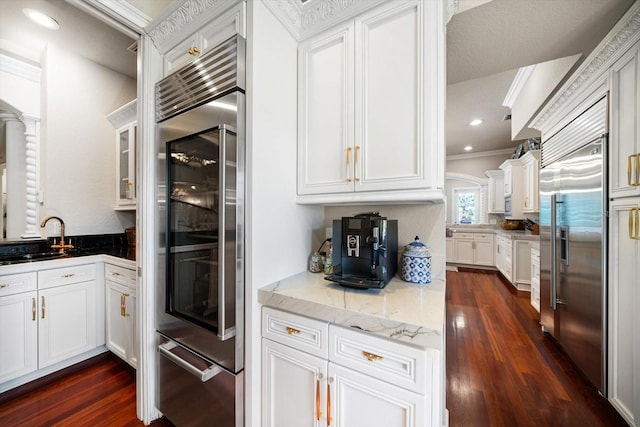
(79, 33)
(487, 44)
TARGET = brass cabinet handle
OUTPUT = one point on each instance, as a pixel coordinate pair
(2, 286)
(634, 223)
(66, 276)
(355, 162)
(124, 305)
(42, 307)
(329, 381)
(193, 51)
(348, 161)
(115, 274)
(33, 309)
(637, 181)
(292, 331)
(318, 409)
(371, 357)
(629, 169)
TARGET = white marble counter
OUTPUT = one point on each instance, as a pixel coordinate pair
(402, 311)
(510, 234)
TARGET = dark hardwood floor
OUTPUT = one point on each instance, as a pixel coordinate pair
(502, 370)
(97, 392)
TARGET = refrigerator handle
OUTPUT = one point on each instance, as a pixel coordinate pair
(554, 275)
(203, 375)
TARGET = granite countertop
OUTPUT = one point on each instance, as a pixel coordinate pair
(401, 311)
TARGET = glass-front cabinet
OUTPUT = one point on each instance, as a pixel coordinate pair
(124, 119)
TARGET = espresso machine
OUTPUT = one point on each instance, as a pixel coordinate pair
(365, 251)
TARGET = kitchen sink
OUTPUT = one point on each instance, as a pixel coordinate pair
(41, 256)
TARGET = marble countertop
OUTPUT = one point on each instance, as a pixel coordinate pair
(402, 311)
(511, 234)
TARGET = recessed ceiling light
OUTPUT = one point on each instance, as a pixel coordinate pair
(475, 122)
(42, 19)
(468, 148)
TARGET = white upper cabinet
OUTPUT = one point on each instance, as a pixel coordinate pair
(208, 36)
(325, 115)
(368, 119)
(495, 203)
(624, 144)
(531, 177)
(124, 120)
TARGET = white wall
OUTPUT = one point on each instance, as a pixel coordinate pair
(278, 230)
(425, 220)
(540, 84)
(78, 143)
(476, 164)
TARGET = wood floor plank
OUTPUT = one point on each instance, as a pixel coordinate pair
(502, 370)
(99, 392)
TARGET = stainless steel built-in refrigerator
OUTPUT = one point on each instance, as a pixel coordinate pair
(573, 212)
(200, 111)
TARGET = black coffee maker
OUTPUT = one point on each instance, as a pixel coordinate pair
(365, 251)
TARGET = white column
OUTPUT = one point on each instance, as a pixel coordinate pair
(32, 134)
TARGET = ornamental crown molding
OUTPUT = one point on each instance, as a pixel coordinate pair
(620, 38)
(124, 115)
(186, 17)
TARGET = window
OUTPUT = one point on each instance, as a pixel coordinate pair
(466, 203)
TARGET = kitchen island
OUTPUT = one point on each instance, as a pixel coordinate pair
(380, 352)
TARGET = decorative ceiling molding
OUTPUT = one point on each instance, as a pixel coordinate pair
(124, 115)
(185, 17)
(18, 68)
(517, 84)
(623, 35)
(454, 6)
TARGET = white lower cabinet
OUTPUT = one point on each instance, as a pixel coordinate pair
(18, 335)
(348, 379)
(67, 322)
(473, 248)
(535, 277)
(624, 317)
(121, 336)
(48, 318)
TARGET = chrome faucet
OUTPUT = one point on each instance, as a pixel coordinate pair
(62, 246)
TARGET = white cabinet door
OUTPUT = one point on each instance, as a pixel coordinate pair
(624, 300)
(391, 98)
(531, 173)
(464, 251)
(213, 33)
(132, 330)
(495, 191)
(624, 145)
(293, 387)
(522, 263)
(483, 252)
(18, 335)
(325, 113)
(359, 400)
(67, 322)
(126, 165)
(117, 339)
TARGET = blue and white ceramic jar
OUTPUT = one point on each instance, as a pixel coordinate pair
(416, 263)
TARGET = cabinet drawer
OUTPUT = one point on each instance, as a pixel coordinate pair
(66, 276)
(463, 236)
(120, 275)
(17, 283)
(380, 358)
(483, 237)
(296, 331)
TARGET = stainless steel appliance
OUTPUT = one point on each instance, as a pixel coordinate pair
(573, 212)
(200, 112)
(365, 253)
